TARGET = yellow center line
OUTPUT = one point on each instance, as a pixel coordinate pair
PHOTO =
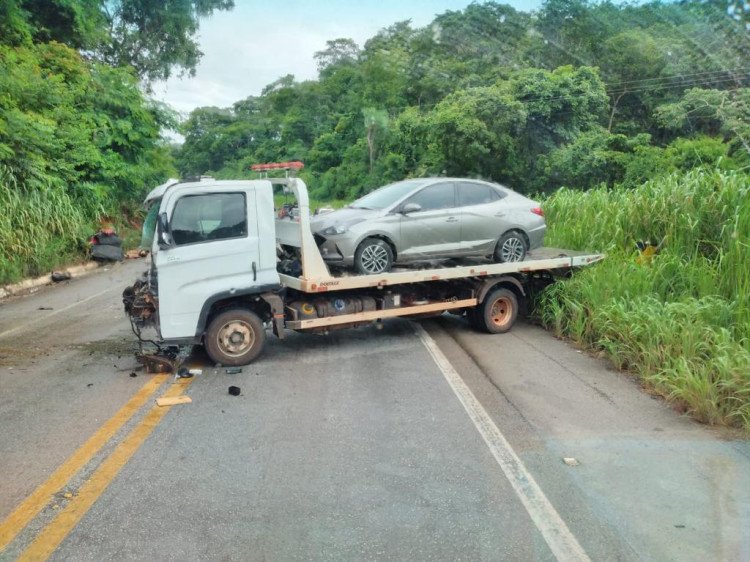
(53, 534)
(32, 505)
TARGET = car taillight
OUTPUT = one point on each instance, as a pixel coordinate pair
(538, 211)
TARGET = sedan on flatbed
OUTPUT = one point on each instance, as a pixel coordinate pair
(430, 218)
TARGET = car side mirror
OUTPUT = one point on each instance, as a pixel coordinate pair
(162, 231)
(411, 208)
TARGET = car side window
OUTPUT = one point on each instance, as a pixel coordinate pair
(216, 216)
(439, 196)
(476, 194)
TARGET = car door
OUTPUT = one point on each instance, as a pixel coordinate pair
(215, 249)
(435, 229)
(482, 216)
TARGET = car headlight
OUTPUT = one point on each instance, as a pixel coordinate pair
(332, 230)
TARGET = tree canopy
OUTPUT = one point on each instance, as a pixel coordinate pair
(577, 93)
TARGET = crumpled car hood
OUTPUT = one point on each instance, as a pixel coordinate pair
(342, 217)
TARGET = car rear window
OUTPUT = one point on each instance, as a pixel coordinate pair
(476, 194)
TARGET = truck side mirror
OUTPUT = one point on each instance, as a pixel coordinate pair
(162, 231)
(411, 208)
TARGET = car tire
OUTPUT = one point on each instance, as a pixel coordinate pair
(511, 247)
(497, 313)
(235, 337)
(373, 256)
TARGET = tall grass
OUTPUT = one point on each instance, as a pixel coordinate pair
(680, 320)
(41, 229)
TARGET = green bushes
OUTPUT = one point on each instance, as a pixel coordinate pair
(77, 140)
(680, 320)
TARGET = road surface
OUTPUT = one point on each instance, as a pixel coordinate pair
(415, 442)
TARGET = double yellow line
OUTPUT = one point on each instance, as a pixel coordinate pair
(55, 532)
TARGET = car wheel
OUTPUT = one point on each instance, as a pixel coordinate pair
(235, 337)
(373, 256)
(497, 313)
(511, 247)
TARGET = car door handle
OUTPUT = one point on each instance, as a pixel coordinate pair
(451, 219)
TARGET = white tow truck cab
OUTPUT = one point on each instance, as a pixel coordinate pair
(223, 267)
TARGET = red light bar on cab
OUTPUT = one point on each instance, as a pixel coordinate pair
(295, 165)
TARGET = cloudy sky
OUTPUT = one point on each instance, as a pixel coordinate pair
(247, 48)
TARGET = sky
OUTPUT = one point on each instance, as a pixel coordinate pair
(257, 42)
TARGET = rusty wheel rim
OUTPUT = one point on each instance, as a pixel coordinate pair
(501, 312)
(235, 338)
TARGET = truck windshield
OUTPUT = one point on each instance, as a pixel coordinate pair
(149, 225)
(387, 196)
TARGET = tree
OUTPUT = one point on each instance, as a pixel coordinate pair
(712, 112)
(155, 37)
(152, 37)
(376, 123)
(338, 52)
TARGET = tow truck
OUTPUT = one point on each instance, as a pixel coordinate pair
(225, 267)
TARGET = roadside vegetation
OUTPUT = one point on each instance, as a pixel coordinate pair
(80, 140)
(679, 319)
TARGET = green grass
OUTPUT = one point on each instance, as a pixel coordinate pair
(45, 229)
(681, 320)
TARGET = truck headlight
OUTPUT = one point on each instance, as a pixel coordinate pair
(333, 230)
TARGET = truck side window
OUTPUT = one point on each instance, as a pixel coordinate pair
(216, 216)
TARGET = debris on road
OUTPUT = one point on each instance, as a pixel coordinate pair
(183, 373)
(234, 390)
(233, 370)
(90, 384)
(133, 374)
(45, 308)
(195, 371)
(570, 461)
(58, 276)
(105, 244)
(155, 363)
(173, 400)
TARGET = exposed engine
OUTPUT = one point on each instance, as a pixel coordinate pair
(141, 303)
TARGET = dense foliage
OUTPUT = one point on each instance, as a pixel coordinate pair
(680, 319)
(78, 139)
(575, 94)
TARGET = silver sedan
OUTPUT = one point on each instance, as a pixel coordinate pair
(430, 218)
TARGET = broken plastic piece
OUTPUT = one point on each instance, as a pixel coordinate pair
(570, 461)
(233, 370)
(234, 390)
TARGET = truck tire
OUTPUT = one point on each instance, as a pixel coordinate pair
(497, 313)
(373, 256)
(511, 247)
(235, 337)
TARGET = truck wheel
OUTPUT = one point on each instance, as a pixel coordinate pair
(373, 256)
(235, 337)
(497, 313)
(511, 247)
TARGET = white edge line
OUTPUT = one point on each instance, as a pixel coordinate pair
(58, 311)
(558, 537)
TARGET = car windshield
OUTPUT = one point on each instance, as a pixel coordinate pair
(386, 196)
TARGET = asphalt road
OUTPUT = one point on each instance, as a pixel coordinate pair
(405, 443)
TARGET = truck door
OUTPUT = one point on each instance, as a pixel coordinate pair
(435, 229)
(214, 250)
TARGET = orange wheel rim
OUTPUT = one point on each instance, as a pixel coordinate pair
(501, 311)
